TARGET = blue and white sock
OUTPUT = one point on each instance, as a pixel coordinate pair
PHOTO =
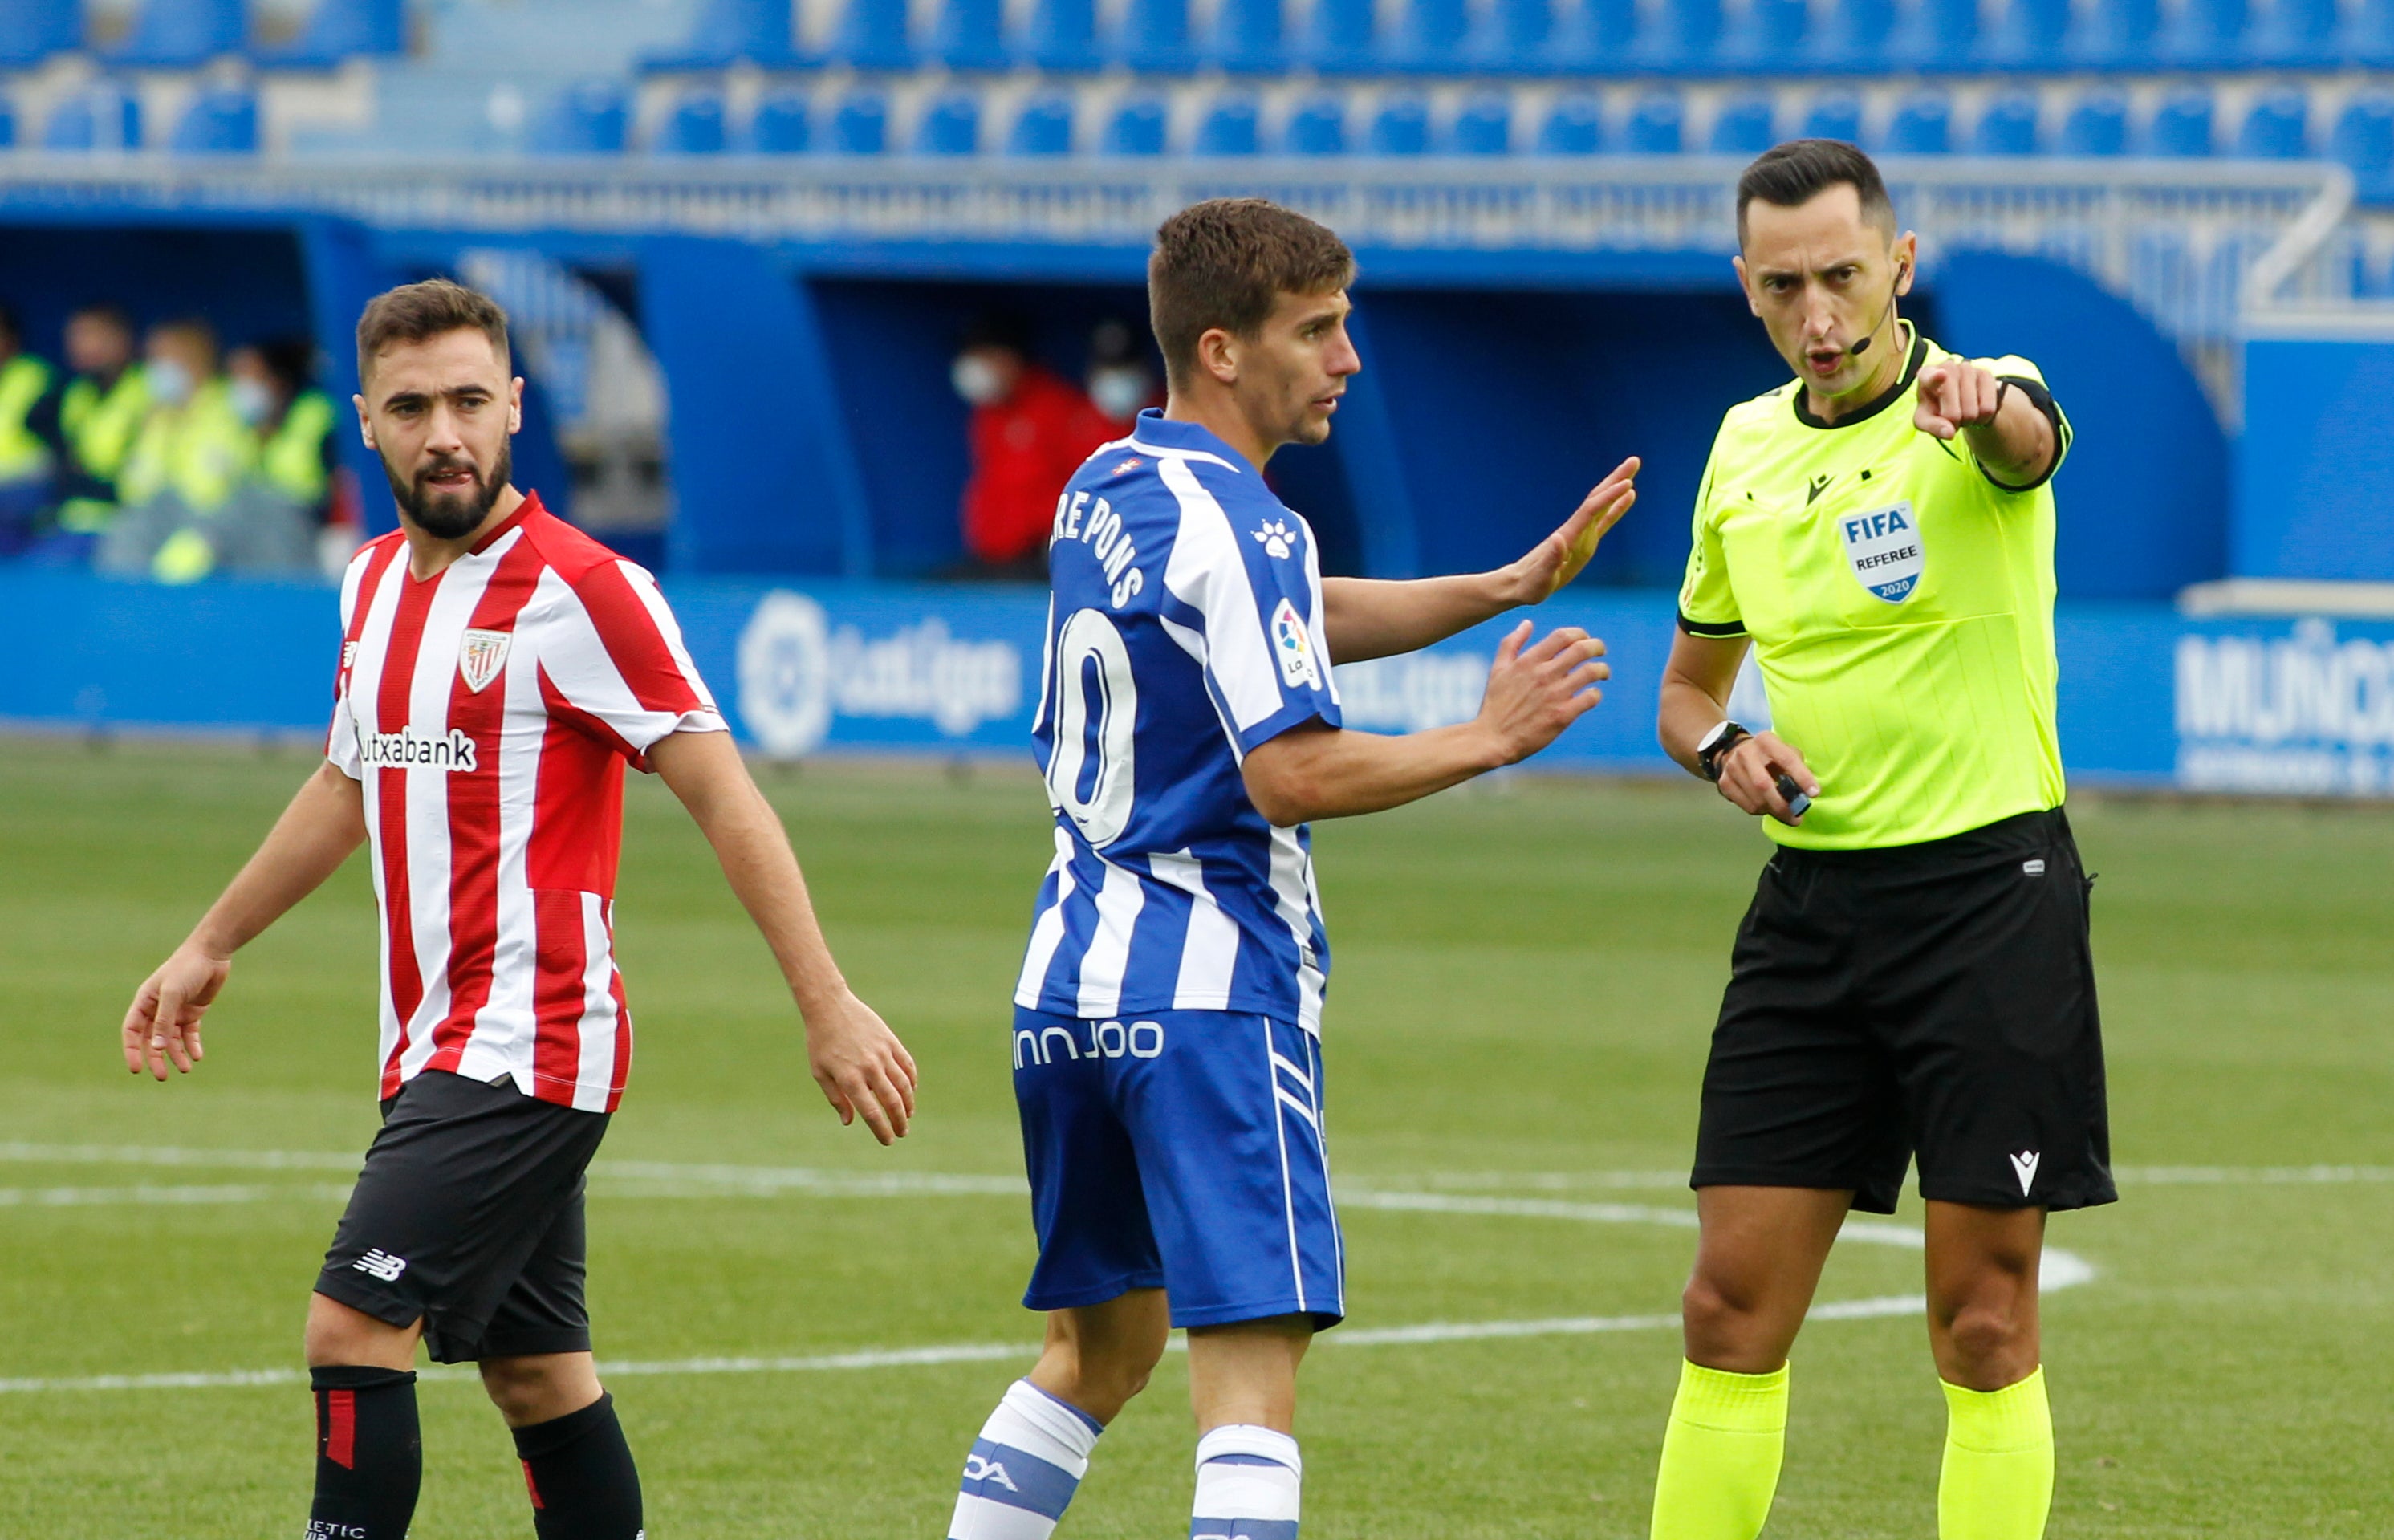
(1247, 1485)
(1024, 1467)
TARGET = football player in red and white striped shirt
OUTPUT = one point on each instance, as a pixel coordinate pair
(499, 670)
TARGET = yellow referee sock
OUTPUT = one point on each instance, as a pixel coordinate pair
(1720, 1455)
(1997, 1481)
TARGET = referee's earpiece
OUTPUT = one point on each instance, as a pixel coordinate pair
(1902, 272)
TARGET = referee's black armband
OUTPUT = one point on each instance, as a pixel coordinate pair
(2041, 398)
(1711, 628)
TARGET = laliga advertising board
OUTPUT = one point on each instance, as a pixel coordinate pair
(2252, 706)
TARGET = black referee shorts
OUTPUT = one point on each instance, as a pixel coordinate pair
(1934, 999)
(469, 1215)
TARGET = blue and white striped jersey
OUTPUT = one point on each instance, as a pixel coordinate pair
(1184, 628)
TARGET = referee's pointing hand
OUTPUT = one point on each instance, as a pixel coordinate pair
(1750, 773)
(1956, 394)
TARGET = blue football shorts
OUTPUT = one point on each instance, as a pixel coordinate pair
(1183, 1150)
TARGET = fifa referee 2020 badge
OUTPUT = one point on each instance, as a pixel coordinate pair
(1913, 979)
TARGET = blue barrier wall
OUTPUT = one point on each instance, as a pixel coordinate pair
(2315, 482)
(2147, 698)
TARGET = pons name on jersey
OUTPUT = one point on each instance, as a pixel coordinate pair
(407, 749)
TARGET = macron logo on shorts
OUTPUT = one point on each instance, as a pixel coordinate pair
(383, 1265)
(2024, 1167)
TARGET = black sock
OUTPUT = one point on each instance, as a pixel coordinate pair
(580, 1472)
(369, 1453)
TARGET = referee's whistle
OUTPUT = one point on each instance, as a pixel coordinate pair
(1797, 801)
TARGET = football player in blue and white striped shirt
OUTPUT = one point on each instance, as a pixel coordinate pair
(1166, 1051)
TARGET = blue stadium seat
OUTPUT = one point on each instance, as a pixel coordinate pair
(1575, 125)
(729, 32)
(2116, 33)
(339, 29)
(1938, 34)
(1835, 115)
(1483, 126)
(1923, 125)
(2031, 34)
(873, 36)
(31, 31)
(2363, 140)
(1688, 33)
(2007, 127)
(2278, 127)
(1138, 127)
(1063, 36)
(1512, 37)
(1430, 37)
(221, 120)
(1248, 37)
(950, 126)
(1318, 126)
(1657, 124)
(780, 125)
(2207, 34)
(693, 125)
(1595, 36)
(2097, 124)
(173, 34)
(1043, 126)
(2181, 125)
(1341, 38)
(1767, 35)
(2297, 34)
(2371, 41)
(1401, 127)
(971, 36)
(1744, 126)
(7, 124)
(1229, 126)
(591, 118)
(1857, 34)
(1154, 38)
(859, 125)
(102, 115)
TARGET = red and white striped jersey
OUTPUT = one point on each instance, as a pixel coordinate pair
(488, 714)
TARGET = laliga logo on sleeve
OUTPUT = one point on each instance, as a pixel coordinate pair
(1884, 548)
(1293, 648)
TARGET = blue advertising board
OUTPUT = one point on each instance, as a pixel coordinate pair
(2148, 697)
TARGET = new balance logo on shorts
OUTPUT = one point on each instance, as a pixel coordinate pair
(2024, 1167)
(382, 1265)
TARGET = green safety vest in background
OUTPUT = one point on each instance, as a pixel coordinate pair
(24, 380)
(200, 450)
(99, 428)
(291, 460)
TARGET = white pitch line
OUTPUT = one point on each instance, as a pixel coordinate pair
(80, 1197)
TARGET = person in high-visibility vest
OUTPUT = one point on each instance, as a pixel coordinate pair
(192, 455)
(28, 435)
(274, 520)
(99, 415)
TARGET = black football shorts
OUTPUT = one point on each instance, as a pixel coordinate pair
(1933, 999)
(469, 1215)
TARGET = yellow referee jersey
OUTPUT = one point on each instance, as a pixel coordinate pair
(1900, 604)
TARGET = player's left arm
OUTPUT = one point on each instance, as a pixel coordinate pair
(864, 1069)
(2009, 421)
(1377, 618)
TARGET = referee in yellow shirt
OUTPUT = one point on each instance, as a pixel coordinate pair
(1914, 978)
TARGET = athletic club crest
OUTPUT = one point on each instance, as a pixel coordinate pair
(1884, 548)
(481, 656)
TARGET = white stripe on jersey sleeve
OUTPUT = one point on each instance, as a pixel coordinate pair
(584, 672)
(1047, 931)
(1207, 573)
(1318, 620)
(1102, 965)
(1209, 953)
(644, 585)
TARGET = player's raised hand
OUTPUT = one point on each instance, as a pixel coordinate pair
(1955, 394)
(863, 1070)
(1564, 554)
(1750, 773)
(162, 1023)
(1535, 690)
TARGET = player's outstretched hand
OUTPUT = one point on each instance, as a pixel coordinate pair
(1564, 554)
(1535, 690)
(162, 1023)
(863, 1070)
(1750, 773)
(1955, 394)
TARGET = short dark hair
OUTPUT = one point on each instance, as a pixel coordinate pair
(1225, 262)
(417, 313)
(1800, 170)
(107, 312)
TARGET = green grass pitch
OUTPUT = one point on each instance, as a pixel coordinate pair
(1525, 979)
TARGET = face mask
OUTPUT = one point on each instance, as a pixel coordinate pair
(251, 402)
(1119, 393)
(170, 383)
(977, 380)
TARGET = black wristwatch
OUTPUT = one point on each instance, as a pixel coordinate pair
(1720, 741)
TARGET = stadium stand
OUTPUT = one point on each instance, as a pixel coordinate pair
(220, 120)
(182, 33)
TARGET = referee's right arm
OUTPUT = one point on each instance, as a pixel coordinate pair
(1696, 684)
